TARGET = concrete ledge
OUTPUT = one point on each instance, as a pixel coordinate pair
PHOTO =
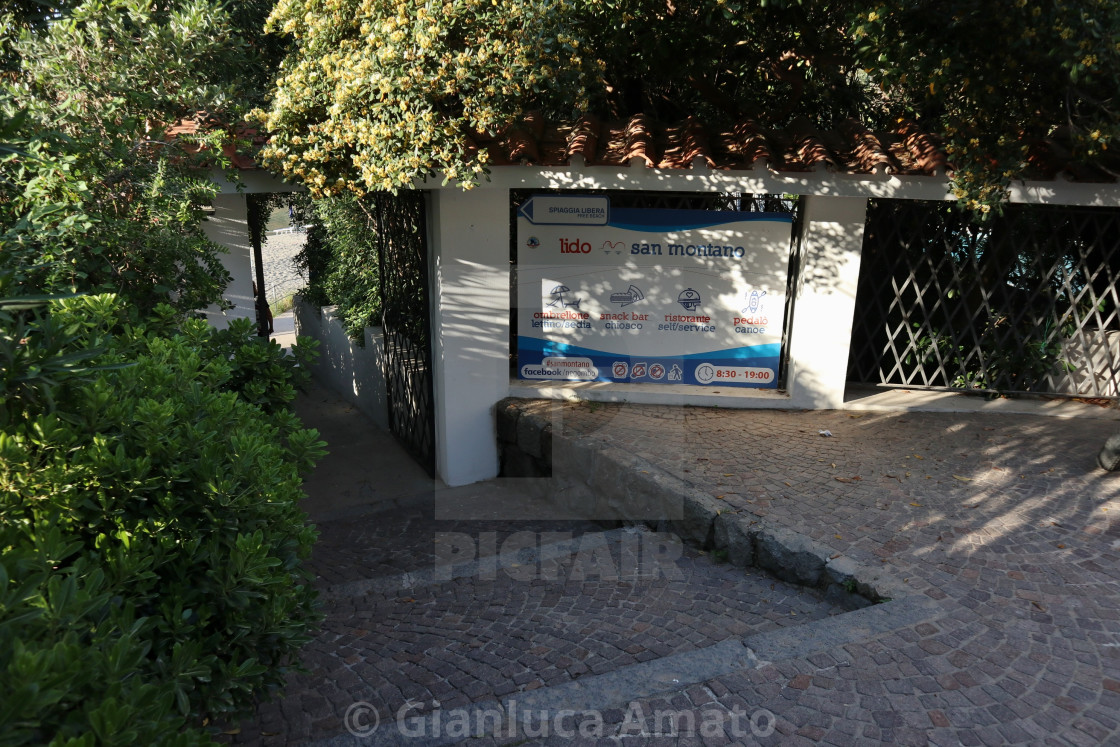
(856, 397)
(889, 399)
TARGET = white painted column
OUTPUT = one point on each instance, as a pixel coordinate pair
(821, 328)
(470, 328)
(229, 226)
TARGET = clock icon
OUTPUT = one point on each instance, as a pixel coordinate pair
(705, 372)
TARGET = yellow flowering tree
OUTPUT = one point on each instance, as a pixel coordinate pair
(379, 93)
(375, 93)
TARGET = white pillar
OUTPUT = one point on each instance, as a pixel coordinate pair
(470, 328)
(821, 328)
(229, 226)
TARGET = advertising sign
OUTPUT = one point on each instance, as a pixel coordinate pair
(692, 297)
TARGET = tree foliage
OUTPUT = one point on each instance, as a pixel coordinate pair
(150, 534)
(96, 195)
(996, 79)
(95, 198)
(149, 523)
(381, 92)
(340, 261)
(377, 94)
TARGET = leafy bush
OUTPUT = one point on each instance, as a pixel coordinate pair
(1000, 363)
(340, 262)
(93, 196)
(150, 533)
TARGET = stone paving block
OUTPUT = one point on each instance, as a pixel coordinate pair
(734, 535)
(966, 510)
(790, 556)
(696, 525)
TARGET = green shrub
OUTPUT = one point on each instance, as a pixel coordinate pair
(283, 305)
(150, 533)
(340, 261)
(75, 659)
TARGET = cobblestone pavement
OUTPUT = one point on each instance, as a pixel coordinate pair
(1004, 522)
(377, 545)
(281, 278)
(476, 639)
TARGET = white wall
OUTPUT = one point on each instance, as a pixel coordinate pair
(251, 181)
(229, 227)
(350, 369)
(470, 328)
(470, 291)
(821, 327)
(470, 323)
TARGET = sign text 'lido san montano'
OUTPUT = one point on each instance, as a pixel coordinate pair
(647, 295)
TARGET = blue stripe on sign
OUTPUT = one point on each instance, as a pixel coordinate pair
(550, 347)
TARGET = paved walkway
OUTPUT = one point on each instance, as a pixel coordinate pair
(1004, 521)
(281, 277)
(999, 525)
(546, 601)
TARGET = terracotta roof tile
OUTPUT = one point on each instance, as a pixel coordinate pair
(613, 145)
(553, 144)
(640, 142)
(685, 145)
(921, 152)
(864, 149)
(743, 146)
(583, 140)
(806, 151)
(522, 146)
(240, 132)
(850, 148)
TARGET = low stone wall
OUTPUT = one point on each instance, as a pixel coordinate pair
(524, 445)
(615, 487)
(354, 371)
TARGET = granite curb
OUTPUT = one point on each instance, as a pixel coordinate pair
(619, 487)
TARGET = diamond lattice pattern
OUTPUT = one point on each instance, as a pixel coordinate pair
(1025, 302)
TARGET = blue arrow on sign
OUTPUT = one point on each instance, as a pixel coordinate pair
(566, 210)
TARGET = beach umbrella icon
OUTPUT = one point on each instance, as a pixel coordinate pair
(558, 294)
